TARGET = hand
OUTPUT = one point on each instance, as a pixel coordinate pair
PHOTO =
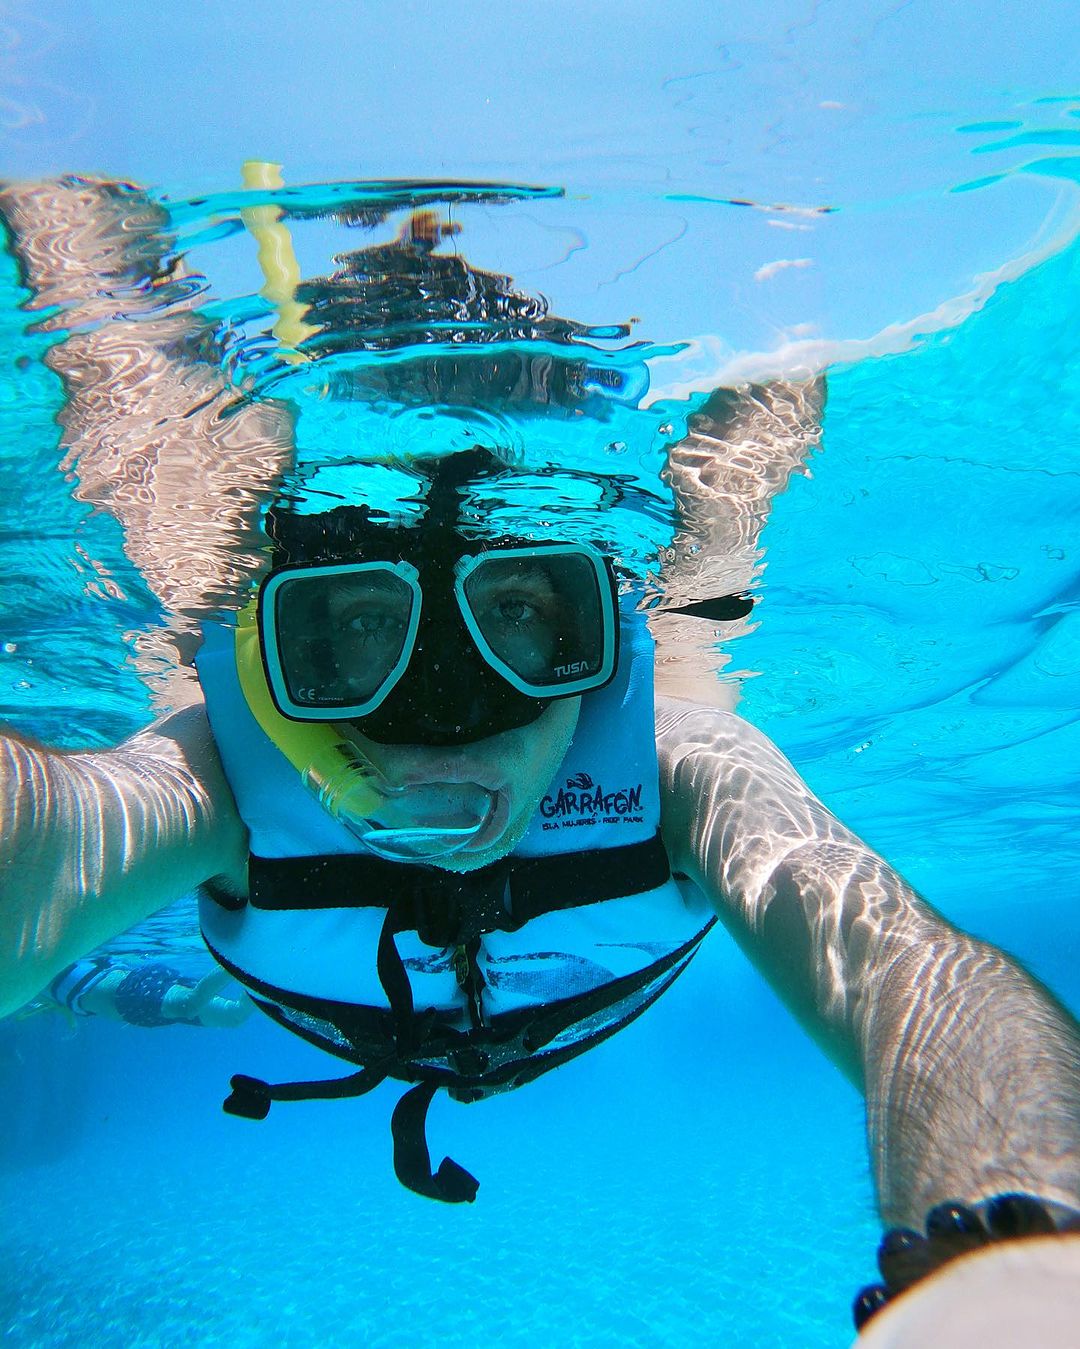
(204, 1004)
(1005, 1294)
(906, 1257)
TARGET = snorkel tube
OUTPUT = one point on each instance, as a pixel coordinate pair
(342, 778)
(277, 260)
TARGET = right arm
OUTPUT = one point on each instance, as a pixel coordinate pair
(92, 843)
(970, 1069)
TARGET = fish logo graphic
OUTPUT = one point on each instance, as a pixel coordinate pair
(579, 782)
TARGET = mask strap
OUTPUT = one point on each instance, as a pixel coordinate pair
(720, 609)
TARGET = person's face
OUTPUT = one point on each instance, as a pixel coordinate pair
(515, 767)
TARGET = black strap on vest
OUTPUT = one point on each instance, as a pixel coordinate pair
(447, 908)
(444, 909)
(412, 1161)
(452, 1184)
(251, 1097)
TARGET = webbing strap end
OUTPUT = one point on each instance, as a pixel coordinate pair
(250, 1098)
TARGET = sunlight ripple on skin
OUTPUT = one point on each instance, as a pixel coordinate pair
(970, 1079)
(905, 1001)
(168, 812)
(740, 451)
(164, 444)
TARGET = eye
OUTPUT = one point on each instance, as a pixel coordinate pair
(518, 597)
(371, 622)
(515, 609)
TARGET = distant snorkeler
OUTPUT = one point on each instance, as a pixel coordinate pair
(143, 992)
(443, 828)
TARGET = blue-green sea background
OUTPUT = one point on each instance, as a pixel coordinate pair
(700, 1179)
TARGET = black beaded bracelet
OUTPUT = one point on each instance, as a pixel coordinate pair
(905, 1256)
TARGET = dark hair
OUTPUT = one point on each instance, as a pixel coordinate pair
(344, 532)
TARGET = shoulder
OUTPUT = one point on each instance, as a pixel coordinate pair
(178, 749)
(685, 729)
(170, 777)
(722, 776)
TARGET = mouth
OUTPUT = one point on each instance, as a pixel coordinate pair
(411, 766)
(434, 801)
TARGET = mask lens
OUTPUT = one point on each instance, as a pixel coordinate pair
(342, 635)
(544, 617)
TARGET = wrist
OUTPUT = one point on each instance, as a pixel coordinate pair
(952, 1229)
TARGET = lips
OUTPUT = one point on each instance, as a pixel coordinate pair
(407, 766)
(449, 779)
(435, 799)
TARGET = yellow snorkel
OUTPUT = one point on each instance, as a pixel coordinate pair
(277, 260)
(344, 780)
(331, 766)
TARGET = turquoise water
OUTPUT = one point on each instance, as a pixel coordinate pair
(915, 656)
(915, 650)
(140, 1214)
(936, 545)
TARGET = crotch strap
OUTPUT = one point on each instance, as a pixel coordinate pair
(251, 1098)
(452, 1184)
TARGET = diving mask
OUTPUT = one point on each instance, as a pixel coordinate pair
(435, 654)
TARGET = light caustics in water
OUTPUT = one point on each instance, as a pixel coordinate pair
(418, 341)
(933, 539)
(410, 349)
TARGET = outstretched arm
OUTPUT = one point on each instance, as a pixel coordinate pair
(90, 844)
(971, 1070)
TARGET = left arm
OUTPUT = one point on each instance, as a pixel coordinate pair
(152, 430)
(971, 1069)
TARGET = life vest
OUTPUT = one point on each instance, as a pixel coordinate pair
(72, 984)
(476, 982)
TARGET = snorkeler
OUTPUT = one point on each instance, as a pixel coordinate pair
(146, 993)
(428, 760)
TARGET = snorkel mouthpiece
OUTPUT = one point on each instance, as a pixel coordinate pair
(403, 824)
(437, 820)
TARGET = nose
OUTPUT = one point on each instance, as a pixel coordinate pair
(452, 691)
(449, 695)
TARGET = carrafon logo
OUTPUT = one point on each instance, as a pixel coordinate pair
(584, 801)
